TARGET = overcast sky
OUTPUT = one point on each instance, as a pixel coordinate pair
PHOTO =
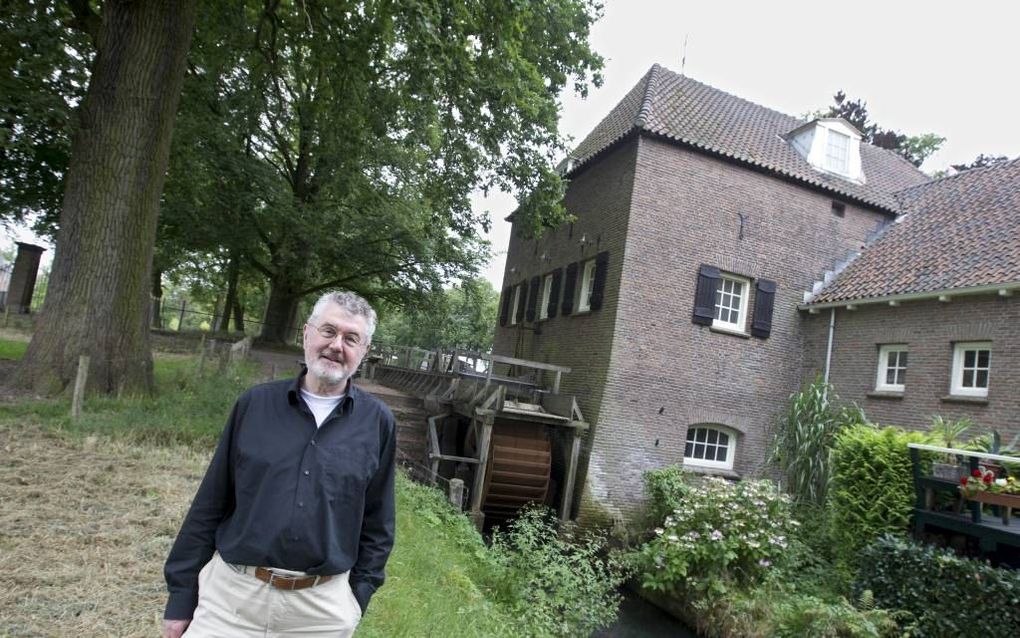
(934, 66)
(939, 67)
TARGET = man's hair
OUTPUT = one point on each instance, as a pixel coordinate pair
(351, 303)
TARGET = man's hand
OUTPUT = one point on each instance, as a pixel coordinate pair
(174, 628)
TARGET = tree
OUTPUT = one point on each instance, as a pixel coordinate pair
(461, 316)
(98, 298)
(915, 149)
(982, 161)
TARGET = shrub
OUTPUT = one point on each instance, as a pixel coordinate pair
(872, 486)
(666, 489)
(802, 439)
(946, 595)
(555, 583)
(722, 534)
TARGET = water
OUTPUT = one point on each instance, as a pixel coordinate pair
(641, 619)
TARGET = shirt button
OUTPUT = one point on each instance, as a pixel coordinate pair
(313, 441)
(307, 472)
(301, 504)
(295, 538)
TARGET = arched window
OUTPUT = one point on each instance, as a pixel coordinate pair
(710, 446)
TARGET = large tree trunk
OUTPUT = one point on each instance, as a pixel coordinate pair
(238, 315)
(98, 300)
(279, 327)
(233, 271)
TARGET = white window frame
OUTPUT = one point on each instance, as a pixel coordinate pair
(587, 284)
(513, 306)
(959, 352)
(709, 429)
(881, 378)
(741, 322)
(843, 167)
(543, 309)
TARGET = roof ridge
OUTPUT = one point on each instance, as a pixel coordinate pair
(970, 172)
(646, 102)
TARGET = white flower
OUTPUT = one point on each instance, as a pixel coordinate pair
(659, 531)
(716, 535)
(1001, 482)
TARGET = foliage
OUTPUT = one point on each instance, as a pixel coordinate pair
(666, 489)
(946, 432)
(461, 316)
(43, 75)
(554, 583)
(946, 595)
(803, 436)
(982, 161)
(914, 149)
(984, 480)
(723, 535)
(872, 486)
(806, 615)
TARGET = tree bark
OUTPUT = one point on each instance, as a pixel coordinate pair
(157, 299)
(233, 271)
(98, 302)
(238, 315)
(278, 327)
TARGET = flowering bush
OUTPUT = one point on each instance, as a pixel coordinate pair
(722, 534)
(983, 480)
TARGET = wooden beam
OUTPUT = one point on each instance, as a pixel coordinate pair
(568, 490)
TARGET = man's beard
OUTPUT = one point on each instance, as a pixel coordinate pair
(330, 375)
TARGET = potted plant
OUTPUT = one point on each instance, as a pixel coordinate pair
(982, 485)
(947, 433)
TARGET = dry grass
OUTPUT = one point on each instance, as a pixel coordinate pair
(85, 525)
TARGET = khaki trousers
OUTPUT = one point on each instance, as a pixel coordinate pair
(235, 604)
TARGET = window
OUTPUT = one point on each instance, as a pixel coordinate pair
(587, 281)
(972, 363)
(709, 446)
(892, 368)
(513, 305)
(543, 307)
(731, 303)
(837, 152)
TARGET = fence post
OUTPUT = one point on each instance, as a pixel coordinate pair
(79, 386)
(201, 355)
(180, 320)
(457, 493)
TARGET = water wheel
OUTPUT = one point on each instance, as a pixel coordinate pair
(519, 469)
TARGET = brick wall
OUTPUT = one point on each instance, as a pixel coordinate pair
(929, 328)
(643, 372)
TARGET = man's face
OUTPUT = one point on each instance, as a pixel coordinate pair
(333, 360)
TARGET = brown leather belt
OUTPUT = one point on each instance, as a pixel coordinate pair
(289, 583)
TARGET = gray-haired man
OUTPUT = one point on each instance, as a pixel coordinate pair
(291, 527)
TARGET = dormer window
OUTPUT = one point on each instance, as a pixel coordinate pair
(837, 152)
(830, 145)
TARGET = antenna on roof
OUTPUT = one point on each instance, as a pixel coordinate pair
(683, 58)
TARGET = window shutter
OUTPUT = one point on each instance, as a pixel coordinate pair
(568, 289)
(599, 285)
(504, 312)
(533, 298)
(704, 297)
(554, 293)
(761, 324)
(522, 302)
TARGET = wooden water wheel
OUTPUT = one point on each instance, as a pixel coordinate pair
(519, 469)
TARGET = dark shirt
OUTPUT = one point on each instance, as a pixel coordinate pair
(280, 492)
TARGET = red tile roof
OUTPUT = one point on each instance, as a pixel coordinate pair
(957, 232)
(678, 108)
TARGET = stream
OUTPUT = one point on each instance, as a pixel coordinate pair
(641, 619)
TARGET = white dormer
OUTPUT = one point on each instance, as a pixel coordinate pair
(831, 145)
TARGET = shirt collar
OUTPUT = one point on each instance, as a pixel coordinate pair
(294, 391)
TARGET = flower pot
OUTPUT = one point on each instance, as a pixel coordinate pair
(949, 471)
(1006, 502)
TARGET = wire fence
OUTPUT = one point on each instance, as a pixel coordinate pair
(178, 315)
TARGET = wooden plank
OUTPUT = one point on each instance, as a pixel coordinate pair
(524, 363)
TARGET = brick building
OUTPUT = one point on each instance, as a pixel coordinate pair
(676, 294)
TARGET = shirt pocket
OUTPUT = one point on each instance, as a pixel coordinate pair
(347, 470)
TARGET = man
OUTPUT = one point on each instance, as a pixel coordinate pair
(291, 527)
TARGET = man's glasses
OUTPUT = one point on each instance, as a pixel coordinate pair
(350, 339)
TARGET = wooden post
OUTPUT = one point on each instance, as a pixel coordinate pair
(556, 382)
(272, 372)
(201, 357)
(79, 386)
(7, 311)
(457, 493)
(180, 319)
(483, 463)
(568, 489)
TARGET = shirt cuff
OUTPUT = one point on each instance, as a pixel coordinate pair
(181, 605)
(363, 591)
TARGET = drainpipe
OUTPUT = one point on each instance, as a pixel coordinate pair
(828, 348)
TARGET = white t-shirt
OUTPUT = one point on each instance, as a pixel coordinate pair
(320, 406)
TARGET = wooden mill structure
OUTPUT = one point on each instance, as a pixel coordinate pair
(499, 423)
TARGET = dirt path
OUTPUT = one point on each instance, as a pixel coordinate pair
(84, 529)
